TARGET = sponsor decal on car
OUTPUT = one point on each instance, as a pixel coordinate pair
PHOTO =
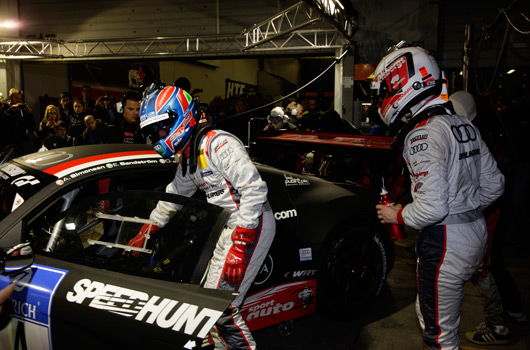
(300, 274)
(49, 158)
(95, 163)
(17, 202)
(32, 302)
(164, 313)
(305, 254)
(25, 180)
(11, 170)
(265, 271)
(286, 214)
(280, 303)
(295, 181)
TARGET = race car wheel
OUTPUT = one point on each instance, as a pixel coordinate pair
(352, 273)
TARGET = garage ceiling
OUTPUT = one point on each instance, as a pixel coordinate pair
(57, 29)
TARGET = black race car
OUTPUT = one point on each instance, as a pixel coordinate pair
(67, 215)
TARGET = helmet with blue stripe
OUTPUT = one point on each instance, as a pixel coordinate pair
(168, 116)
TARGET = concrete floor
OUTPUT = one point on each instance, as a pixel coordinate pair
(392, 323)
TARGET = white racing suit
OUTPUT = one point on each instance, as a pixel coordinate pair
(230, 180)
(454, 177)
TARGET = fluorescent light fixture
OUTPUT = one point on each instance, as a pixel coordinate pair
(9, 24)
(510, 71)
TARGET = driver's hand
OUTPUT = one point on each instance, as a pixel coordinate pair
(138, 241)
(236, 264)
(388, 213)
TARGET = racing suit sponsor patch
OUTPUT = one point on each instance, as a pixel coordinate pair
(418, 138)
(215, 194)
(472, 153)
(165, 313)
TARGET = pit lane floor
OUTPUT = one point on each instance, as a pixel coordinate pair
(392, 323)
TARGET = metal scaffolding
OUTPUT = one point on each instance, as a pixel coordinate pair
(285, 33)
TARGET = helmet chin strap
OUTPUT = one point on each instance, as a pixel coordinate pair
(190, 150)
(426, 113)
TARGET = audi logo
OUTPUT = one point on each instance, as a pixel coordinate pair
(418, 148)
(464, 133)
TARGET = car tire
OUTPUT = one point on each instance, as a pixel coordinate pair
(352, 273)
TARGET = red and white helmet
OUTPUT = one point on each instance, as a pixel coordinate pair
(407, 79)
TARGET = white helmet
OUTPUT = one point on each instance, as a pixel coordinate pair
(407, 79)
(277, 118)
(464, 104)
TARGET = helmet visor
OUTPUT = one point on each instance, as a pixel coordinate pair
(158, 130)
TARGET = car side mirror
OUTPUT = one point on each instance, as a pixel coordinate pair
(16, 259)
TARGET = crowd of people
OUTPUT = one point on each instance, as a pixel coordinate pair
(75, 121)
(83, 120)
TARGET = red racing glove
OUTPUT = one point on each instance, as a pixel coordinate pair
(138, 241)
(236, 264)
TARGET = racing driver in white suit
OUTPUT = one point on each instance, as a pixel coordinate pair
(217, 163)
(453, 178)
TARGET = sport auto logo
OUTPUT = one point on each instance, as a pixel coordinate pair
(418, 148)
(464, 133)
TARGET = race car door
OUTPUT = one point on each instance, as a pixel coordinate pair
(89, 289)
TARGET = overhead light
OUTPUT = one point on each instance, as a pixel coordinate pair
(9, 24)
(510, 71)
(16, 57)
(461, 73)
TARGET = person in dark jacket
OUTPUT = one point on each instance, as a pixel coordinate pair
(95, 132)
(127, 130)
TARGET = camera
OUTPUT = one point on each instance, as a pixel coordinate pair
(22, 106)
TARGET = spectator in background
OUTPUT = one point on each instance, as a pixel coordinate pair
(17, 122)
(65, 108)
(88, 103)
(127, 128)
(60, 139)
(332, 122)
(493, 280)
(51, 118)
(295, 111)
(311, 117)
(95, 132)
(183, 83)
(278, 120)
(105, 110)
(76, 123)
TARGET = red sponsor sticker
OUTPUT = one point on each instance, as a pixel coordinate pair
(278, 304)
(163, 97)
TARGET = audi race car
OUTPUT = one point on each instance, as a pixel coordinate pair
(66, 216)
